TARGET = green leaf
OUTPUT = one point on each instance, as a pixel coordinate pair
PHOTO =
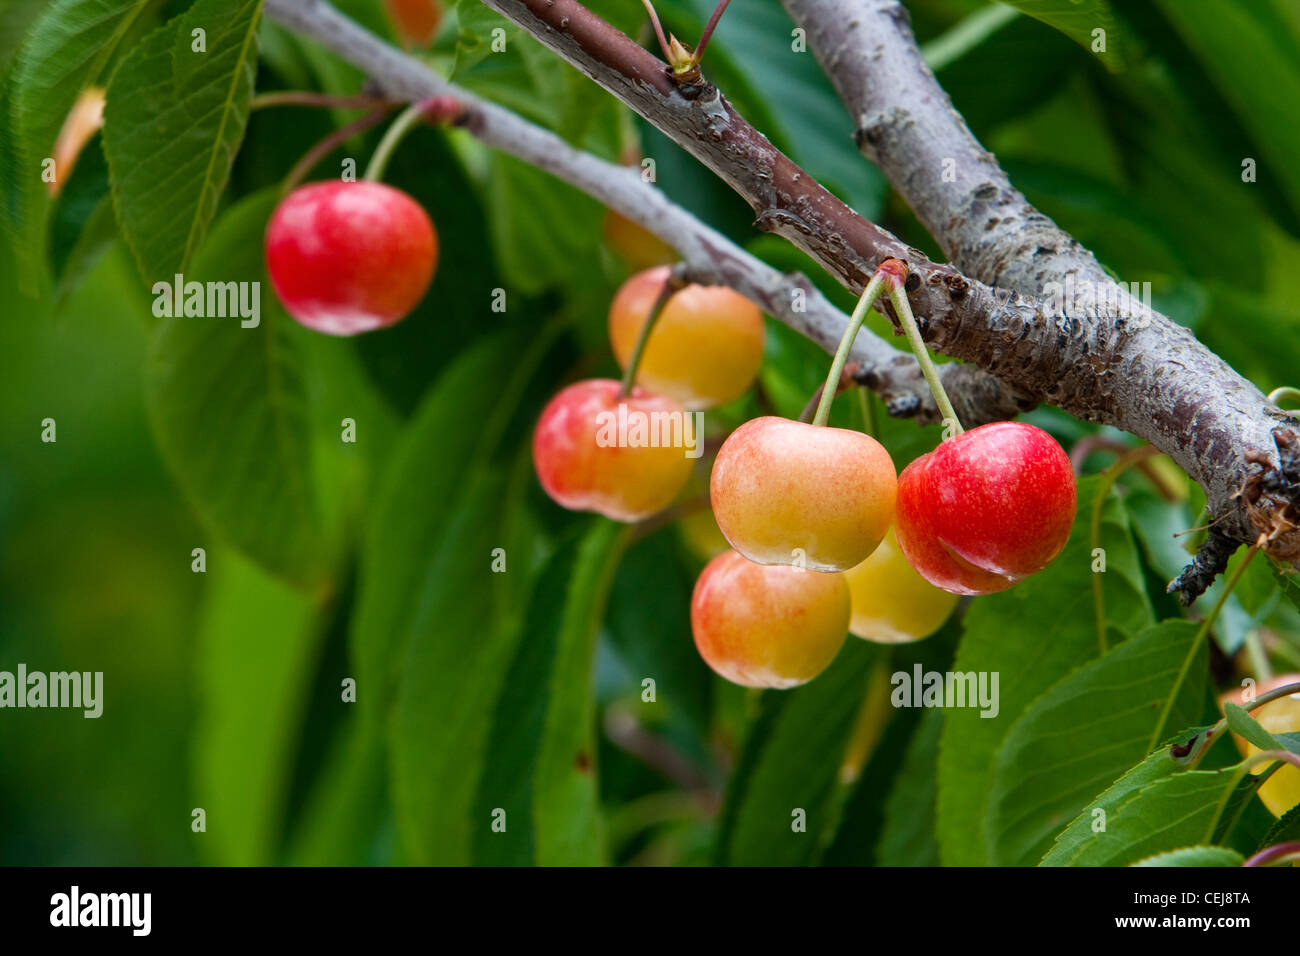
(566, 805)
(1285, 830)
(908, 837)
(892, 802)
(1085, 731)
(1254, 61)
(443, 632)
(1156, 806)
(83, 225)
(1241, 723)
(1077, 19)
(542, 773)
(65, 51)
(791, 763)
(1032, 636)
(173, 122)
(554, 241)
(255, 653)
(1194, 856)
(650, 630)
(409, 544)
(228, 409)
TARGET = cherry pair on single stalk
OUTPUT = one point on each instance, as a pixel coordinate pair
(807, 502)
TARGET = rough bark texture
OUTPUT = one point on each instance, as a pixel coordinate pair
(1151, 376)
(1124, 364)
(710, 257)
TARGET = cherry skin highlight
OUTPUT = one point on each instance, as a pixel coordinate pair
(1280, 792)
(768, 625)
(704, 351)
(987, 508)
(892, 604)
(347, 258)
(784, 492)
(585, 464)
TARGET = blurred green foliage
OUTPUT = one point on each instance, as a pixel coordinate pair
(224, 690)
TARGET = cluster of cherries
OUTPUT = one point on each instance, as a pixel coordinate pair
(827, 538)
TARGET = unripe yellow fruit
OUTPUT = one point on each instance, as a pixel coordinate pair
(892, 604)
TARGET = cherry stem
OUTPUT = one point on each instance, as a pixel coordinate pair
(708, 32)
(846, 380)
(306, 98)
(1203, 747)
(1201, 633)
(1278, 395)
(1259, 661)
(1273, 855)
(676, 281)
(869, 296)
(1131, 457)
(405, 122)
(898, 296)
(659, 30)
(333, 141)
(868, 413)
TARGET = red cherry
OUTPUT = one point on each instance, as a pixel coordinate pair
(347, 258)
(585, 462)
(986, 509)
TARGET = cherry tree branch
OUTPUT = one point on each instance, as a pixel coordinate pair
(709, 256)
(1155, 379)
(1107, 360)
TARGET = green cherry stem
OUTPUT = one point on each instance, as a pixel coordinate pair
(674, 283)
(1131, 457)
(333, 141)
(868, 413)
(898, 297)
(1203, 747)
(1195, 643)
(307, 98)
(405, 122)
(1279, 395)
(869, 296)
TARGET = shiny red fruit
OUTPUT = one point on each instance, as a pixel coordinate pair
(986, 509)
(347, 258)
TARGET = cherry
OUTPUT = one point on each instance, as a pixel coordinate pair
(785, 492)
(706, 347)
(892, 604)
(1281, 791)
(582, 465)
(987, 508)
(417, 21)
(767, 625)
(349, 257)
(639, 247)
